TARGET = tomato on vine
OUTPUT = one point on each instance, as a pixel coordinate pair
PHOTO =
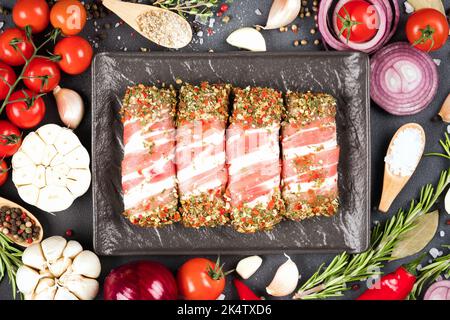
(76, 54)
(33, 13)
(201, 279)
(7, 79)
(41, 75)
(26, 109)
(14, 45)
(10, 139)
(69, 16)
(3, 172)
(357, 21)
(427, 29)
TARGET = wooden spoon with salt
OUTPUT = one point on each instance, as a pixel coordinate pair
(161, 26)
(394, 183)
(6, 202)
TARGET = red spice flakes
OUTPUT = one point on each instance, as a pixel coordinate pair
(355, 287)
(209, 31)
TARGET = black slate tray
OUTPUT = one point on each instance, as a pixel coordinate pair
(344, 75)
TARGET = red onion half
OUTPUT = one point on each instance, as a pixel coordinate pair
(141, 280)
(404, 80)
(389, 15)
(438, 291)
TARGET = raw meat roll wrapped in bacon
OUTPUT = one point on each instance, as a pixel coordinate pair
(201, 171)
(253, 157)
(310, 156)
(148, 167)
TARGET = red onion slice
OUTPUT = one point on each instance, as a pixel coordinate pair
(404, 80)
(438, 291)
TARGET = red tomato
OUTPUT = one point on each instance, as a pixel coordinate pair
(69, 16)
(25, 114)
(34, 13)
(10, 139)
(7, 76)
(200, 279)
(76, 54)
(3, 172)
(41, 75)
(7, 52)
(427, 29)
(358, 21)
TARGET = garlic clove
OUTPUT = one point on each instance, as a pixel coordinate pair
(72, 249)
(45, 289)
(60, 266)
(83, 288)
(285, 280)
(87, 264)
(247, 38)
(445, 110)
(45, 273)
(53, 248)
(33, 257)
(70, 106)
(64, 294)
(282, 13)
(27, 279)
(248, 266)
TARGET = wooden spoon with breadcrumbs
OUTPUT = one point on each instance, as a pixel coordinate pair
(161, 26)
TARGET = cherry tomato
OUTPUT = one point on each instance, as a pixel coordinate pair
(358, 21)
(7, 52)
(25, 114)
(69, 16)
(200, 279)
(34, 13)
(44, 68)
(427, 29)
(3, 172)
(7, 76)
(76, 54)
(10, 139)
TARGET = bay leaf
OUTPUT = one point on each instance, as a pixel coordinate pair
(420, 4)
(418, 237)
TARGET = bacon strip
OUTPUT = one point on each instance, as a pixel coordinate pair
(200, 154)
(310, 156)
(253, 158)
(148, 166)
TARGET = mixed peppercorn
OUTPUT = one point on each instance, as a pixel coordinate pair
(17, 225)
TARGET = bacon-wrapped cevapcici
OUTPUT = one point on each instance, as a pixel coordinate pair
(201, 171)
(148, 167)
(310, 156)
(253, 156)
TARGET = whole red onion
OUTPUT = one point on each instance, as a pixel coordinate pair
(140, 280)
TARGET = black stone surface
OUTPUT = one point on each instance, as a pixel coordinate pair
(79, 216)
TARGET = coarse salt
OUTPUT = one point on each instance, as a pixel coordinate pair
(408, 7)
(434, 253)
(405, 152)
(258, 12)
(441, 233)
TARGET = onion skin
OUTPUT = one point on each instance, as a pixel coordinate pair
(141, 280)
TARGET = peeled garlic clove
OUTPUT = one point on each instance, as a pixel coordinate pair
(83, 288)
(247, 38)
(60, 266)
(70, 106)
(248, 266)
(72, 249)
(282, 13)
(445, 110)
(64, 294)
(53, 248)
(285, 279)
(27, 279)
(87, 264)
(33, 257)
(45, 273)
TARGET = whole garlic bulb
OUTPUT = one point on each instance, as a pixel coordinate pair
(58, 270)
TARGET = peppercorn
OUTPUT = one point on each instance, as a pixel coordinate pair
(226, 19)
(69, 232)
(312, 31)
(223, 7)
(304, 42)
(28, 230)
(448, 222)
(355, 287)
(296, 43)
(28, 224)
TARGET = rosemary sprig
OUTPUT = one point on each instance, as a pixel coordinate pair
(430, 273)
(200, 8)
(445, 144)
(346, 268)
(10, 261)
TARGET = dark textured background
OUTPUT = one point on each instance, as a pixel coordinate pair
(79, 216)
